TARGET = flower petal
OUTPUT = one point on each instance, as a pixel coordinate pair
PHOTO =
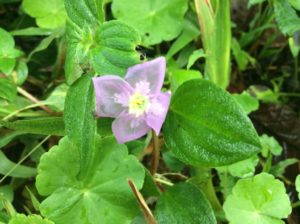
(158, 111)
(127, 128)
(112, 95)
(152, 72)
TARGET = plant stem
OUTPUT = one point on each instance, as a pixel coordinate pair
(139, 197)
(24, 158)
(33, 99)
(296, 204)
(155, 154)
(204, 179)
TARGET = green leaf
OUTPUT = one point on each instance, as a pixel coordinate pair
(189, 32)
(110, 49)
(101, 196)
(244, 168)
(79, 120)
(35, 202)
(8, 53)
(19, 171)
(194, 57)
(8, 137)
(179, 76)
(247, 102)
(216, 37)
(3, 217)
(264, 94)
(85, 18)
(172, 162)
(286, 17)
(242, 57)
(85, 12)
(297, 183)
(56, 99)
(31, 31)
(8, 90)
(279, 169)
(150, 188)
(172, 206)
(156, 21)
(6, 41)
(42, 126)
(115, 48)
(48, 14)
(294, 47)
(206, 127)
(295, 4)
(254, 2)
(227, 181)
(261, 200)
(7, 65)
(20, 74)
(270, 144)
(44, 44)
(31, 219)
(7, 193)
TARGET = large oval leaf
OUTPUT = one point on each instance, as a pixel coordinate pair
(206, 126)
(102, 196)
(172, 206)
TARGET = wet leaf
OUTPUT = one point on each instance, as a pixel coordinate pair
(206, 126)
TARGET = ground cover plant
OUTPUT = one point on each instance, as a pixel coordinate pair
(146, 111)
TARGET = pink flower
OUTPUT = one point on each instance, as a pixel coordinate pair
(136, 101)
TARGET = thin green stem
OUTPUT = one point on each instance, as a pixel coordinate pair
(204, 178)
(296, 204)
(290, 94)
(22, 109)
(296, 71)
(24, 158)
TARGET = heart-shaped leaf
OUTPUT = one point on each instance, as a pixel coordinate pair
(101, 196)
(207, 127)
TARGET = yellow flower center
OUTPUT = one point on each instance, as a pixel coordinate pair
(138, 104)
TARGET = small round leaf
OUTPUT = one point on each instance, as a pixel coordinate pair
(260, 200)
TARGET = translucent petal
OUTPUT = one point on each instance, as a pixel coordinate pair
(158, 111)
(152, 72)
(126, 128)
(112, 95)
